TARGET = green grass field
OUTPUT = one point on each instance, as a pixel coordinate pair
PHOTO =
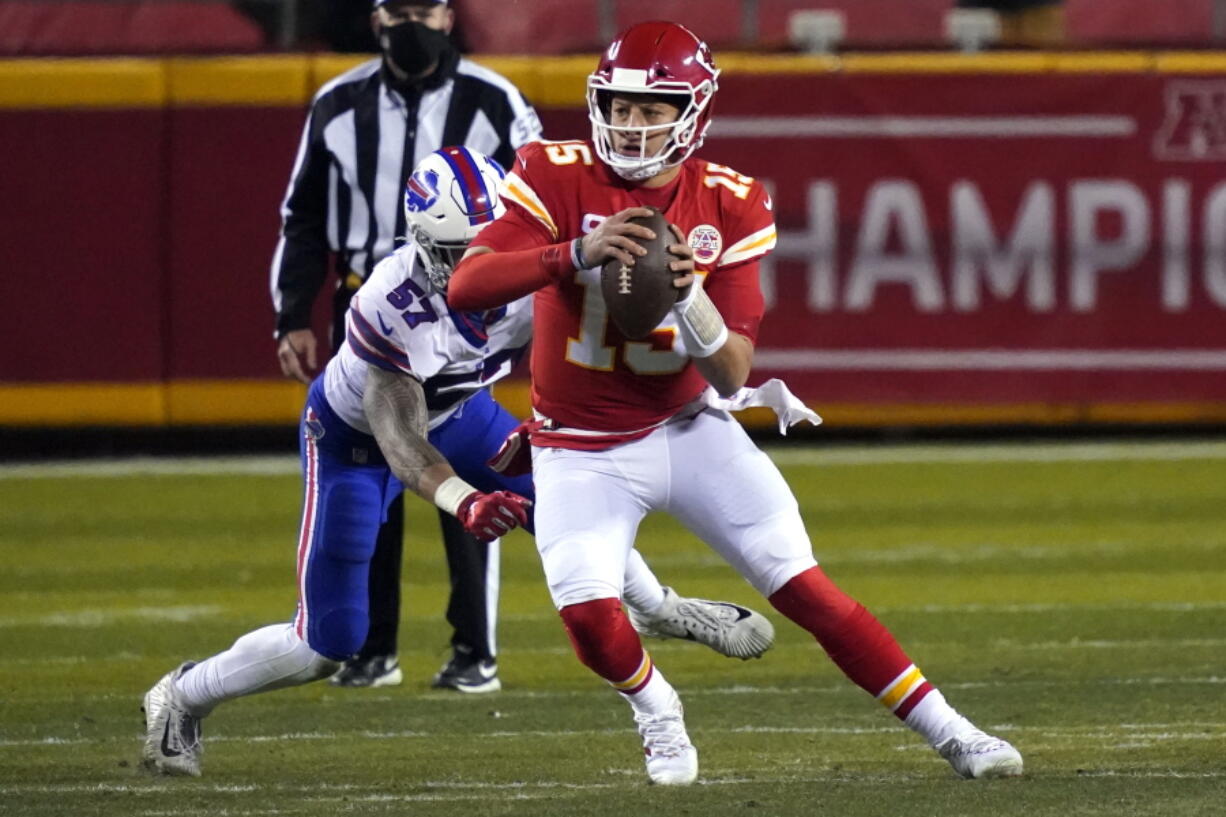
(1071, 598)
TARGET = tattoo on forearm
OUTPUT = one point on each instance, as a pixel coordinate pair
(396, 410)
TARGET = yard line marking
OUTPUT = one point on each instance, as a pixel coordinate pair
(209, 811)
(480, 790)
(1108, 644)
(1143, 736)
(1154, 731)
(998, 452)
(1026, 608)
(813, 730)
(537, 789)
(151, 788)
(1048, 607)
(836, 688)
(154, 466)
(960, 452)
(49, 741)
(104, 617)
(960, 554)
(1166, 773)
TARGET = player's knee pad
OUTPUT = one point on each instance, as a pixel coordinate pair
(318, 667)
(774, 550)
(339, 633)
(570, 593)
(603, 637)
(309, 664)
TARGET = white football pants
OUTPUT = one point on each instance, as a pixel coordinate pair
(704, 471)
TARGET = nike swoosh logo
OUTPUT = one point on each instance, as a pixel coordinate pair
(486, 672)
(741, 612)
(166, 750)
(741, 615)
(387, 330)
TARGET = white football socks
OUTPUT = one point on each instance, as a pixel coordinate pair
(657, 696)
(935, 719)
(641, 589)
(269, 658)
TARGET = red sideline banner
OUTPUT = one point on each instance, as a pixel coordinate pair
(953, 247)
(989, 239)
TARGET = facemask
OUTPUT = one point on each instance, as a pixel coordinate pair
(413, 47)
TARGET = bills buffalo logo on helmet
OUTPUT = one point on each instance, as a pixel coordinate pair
(421, 190)
(706, 242)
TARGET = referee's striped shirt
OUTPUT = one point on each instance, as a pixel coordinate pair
(359, 145)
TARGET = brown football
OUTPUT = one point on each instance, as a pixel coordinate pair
(639, 297)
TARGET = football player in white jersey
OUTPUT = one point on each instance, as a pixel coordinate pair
(404, 405)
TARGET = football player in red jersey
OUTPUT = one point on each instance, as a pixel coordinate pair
(626, 427)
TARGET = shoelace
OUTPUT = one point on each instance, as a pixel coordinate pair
(974, 743)
(185, 737)
(701, 615)
(663, 735)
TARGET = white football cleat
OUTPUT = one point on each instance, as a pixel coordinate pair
(671, 759)
(727, 628)
(976, 754)
(172, 735)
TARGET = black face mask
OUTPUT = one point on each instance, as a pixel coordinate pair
(413, 47)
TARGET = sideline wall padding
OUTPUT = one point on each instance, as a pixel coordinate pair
(141, 211)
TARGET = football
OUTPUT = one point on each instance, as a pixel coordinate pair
(639, 296)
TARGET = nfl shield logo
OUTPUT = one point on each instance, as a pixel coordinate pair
(1195, 125)
(706, 242)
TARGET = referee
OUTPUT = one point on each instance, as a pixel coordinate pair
(365, 132)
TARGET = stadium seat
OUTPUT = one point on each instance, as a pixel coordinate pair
(1139, 22)
(870, 23)
(718, 22)
(540, 27)
(69, 28)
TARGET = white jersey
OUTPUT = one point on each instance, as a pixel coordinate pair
(398, 322)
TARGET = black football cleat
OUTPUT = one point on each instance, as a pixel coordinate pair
(463, 673)
(375, 671)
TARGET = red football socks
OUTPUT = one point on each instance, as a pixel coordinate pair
(854, 639)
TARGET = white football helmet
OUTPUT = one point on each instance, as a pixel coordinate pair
(656, 58)
(449, 197)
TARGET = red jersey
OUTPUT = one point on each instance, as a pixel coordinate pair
(585, 373)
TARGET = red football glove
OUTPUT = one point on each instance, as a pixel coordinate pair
(514, 457)
(489, 516)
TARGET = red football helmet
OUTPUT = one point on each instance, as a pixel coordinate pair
(653, 58)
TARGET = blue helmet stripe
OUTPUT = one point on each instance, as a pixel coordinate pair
(472, 185)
